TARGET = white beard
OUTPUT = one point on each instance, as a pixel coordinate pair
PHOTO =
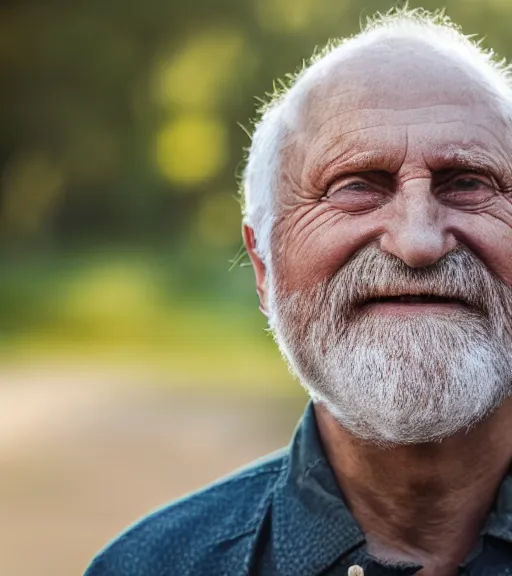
(397, 379)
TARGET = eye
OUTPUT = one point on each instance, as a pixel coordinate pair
(357, 194)
(467, 183)
(357, 185)
(466, 190)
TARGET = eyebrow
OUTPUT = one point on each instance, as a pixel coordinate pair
(469, 158)
(364, 161)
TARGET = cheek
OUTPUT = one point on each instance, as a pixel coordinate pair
(489, 237)
(315, 241)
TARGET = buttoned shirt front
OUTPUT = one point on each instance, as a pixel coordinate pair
(281, 516)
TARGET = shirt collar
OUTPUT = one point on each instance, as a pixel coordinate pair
(311, 524)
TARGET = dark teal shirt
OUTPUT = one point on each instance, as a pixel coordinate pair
(282, 516)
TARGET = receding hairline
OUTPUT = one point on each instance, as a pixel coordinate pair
(322, 70)
(395, 24)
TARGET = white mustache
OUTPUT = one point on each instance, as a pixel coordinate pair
(372, 274)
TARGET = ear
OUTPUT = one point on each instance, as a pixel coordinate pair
(260, 271)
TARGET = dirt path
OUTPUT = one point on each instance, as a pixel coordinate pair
(84, 453)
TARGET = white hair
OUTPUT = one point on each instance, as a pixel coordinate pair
(278, 117)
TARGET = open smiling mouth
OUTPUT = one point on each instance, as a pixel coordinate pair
(415, 299)
(418, 302)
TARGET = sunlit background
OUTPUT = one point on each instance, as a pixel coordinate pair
(134, 365)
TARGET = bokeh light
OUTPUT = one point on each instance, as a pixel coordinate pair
(200, 75)
(191, 149)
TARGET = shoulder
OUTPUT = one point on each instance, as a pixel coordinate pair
(198, 533)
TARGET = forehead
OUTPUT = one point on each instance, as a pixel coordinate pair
(400, 91)
(396, 74)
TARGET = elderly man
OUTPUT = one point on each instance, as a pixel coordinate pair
(378, 219)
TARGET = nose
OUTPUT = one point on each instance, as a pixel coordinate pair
(416, 233)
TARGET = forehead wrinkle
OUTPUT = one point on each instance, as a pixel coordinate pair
(338, 135)
(490, 133)
(321, 136)
(404, 108)
(383, 95)
(465, 146)
(469, 147)
(425, 116)
(405, 125)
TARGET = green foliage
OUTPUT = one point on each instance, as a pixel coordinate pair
(124, 127)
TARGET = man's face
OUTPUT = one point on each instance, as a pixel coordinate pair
(398, 180)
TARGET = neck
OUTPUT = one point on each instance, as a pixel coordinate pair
(423, 503)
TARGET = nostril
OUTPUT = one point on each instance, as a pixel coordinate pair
(420, 253)
(418, 244)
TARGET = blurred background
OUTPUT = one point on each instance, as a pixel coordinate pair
(135, 366)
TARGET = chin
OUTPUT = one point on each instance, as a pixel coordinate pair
(406, 383)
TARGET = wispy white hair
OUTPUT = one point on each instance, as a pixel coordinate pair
(278, 116)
